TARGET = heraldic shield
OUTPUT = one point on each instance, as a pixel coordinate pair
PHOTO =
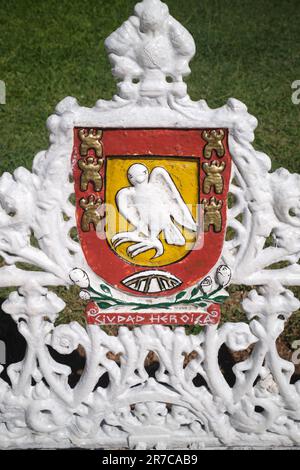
(151, 205)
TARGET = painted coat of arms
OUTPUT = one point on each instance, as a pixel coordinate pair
(151, 216)
(151, 192)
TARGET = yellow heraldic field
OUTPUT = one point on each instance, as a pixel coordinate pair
(185, 176)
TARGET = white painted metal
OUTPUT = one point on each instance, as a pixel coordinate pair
(262, 408)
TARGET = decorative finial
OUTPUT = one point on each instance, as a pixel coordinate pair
(150, 54)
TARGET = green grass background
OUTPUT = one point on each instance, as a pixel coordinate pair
(248, 49)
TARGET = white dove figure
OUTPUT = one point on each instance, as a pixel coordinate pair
(152, 204)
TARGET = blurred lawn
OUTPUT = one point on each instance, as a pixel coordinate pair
(248, 49)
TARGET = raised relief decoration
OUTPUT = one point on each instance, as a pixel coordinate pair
(212, 214)
(150, 55)
(153, 206)
(91, 215)
(214, 139)
(90, 140)
(152, 281)
(90, 173)
(213, 181)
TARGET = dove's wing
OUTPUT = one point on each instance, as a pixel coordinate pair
(127, 209)
(176, 205)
